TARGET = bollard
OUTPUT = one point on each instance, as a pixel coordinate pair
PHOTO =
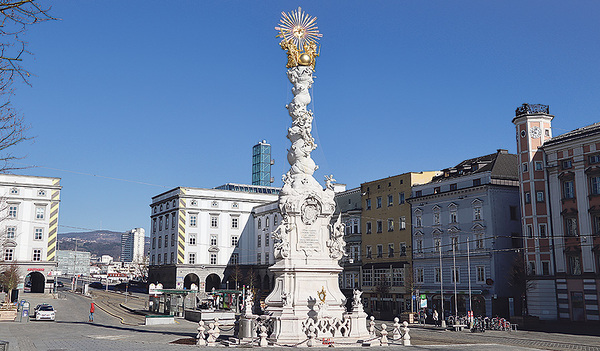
(396, 331)
(263, 336)
(372, 326)
(384, 333)
(405, 336)
(200, 337)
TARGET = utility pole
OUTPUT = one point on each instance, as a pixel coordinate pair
(442, 288)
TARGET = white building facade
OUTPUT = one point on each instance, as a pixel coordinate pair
(196, 233)
(29, 227)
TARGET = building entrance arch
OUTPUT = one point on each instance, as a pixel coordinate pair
(190, 279)
(36, 282)
(212, 281)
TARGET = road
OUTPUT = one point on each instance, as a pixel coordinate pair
(116, 329)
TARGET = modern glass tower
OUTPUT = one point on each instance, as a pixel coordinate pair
(261, 164)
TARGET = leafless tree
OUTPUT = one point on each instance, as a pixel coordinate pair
(9, 278)
(519, 280)
(140, 268)
(16, 17)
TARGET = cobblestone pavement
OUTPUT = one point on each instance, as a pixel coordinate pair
(72, 332)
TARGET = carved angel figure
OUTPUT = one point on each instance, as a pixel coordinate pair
(336, 243)
(281, 245)
(356, 300)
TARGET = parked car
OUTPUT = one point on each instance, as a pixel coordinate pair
(45, 312)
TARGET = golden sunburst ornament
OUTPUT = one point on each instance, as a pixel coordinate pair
(298, 27)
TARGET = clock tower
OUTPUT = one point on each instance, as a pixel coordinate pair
(533, 128)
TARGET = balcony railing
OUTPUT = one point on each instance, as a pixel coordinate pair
(527, 109)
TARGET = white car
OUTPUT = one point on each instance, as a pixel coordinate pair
(45, 312)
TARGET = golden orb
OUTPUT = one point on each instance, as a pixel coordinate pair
(305, 59)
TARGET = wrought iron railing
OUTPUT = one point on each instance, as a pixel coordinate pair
(528, 109)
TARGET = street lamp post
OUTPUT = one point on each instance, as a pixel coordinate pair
(454, 279)
(442, 288)
(469, 274)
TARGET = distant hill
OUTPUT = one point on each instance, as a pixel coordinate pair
(97, 242)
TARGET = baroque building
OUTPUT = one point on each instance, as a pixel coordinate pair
(560, 196)
(386, 242)
(464, 222)
(29, 228)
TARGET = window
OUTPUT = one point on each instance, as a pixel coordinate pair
(567, 164)
(571, 226)
(8, 254)
(594, 159)
(367, 278)
(235, 205)
(419, 245)
(379, 226)
(172, 257)
(436, 218)
(154, 225)
(595, 185)
(368, 204)
(539, 166)
(266, 257)
(436, 190)
(401, 198)
(166, 242)
(267, 222)
(159, 258)
(513, 213)
(213, 258)
(234, 240)
(165, 258)
(275, 218)
(259, 223)
(437, 244)
(234, 222)
(235, 258)
(574, 262)
(418, 193)
(390, 225)
(402, 249)
(160, 223)
(524, 167)
(454, 241)
(258, 258)
(529, 231)
(390, 200)
(173, 239)
(38, 234)
(14, 191)
(476, 182)
(479, 241)
(542, 230)
(40, 212)
(453, 216)
(166, 221)
(568, 189)
(369, 229)
(213, 240)
(267, 239)
(596, 226)
(456, 275)
(13, 211)
(545, 267)
(418, 221)
(153, 243)
(37, 254)
(379, 250)
(436, 275)
(527, 197)
(214, 221)
(402, 223)
(477, 213)
(390, 250)
(173, 220)
(369, 251)
(159, 242)
(397, 277)
(453, 186)
(259, 240)
(191, 258)
(531, 268)
(355, 227)
(419, 275)
(11, 232)
(539, 196)
(192, 239)
(480, 274)
(193, 220)
(379, 202)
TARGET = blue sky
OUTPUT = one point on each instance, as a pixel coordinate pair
(176, 93)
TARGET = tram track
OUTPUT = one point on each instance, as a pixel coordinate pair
(111, 303)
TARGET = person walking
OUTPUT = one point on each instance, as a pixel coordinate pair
(92, 309)
(435, 317)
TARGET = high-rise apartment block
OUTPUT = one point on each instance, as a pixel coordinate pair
(261, 164)
(29, 227)
(132, 245)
